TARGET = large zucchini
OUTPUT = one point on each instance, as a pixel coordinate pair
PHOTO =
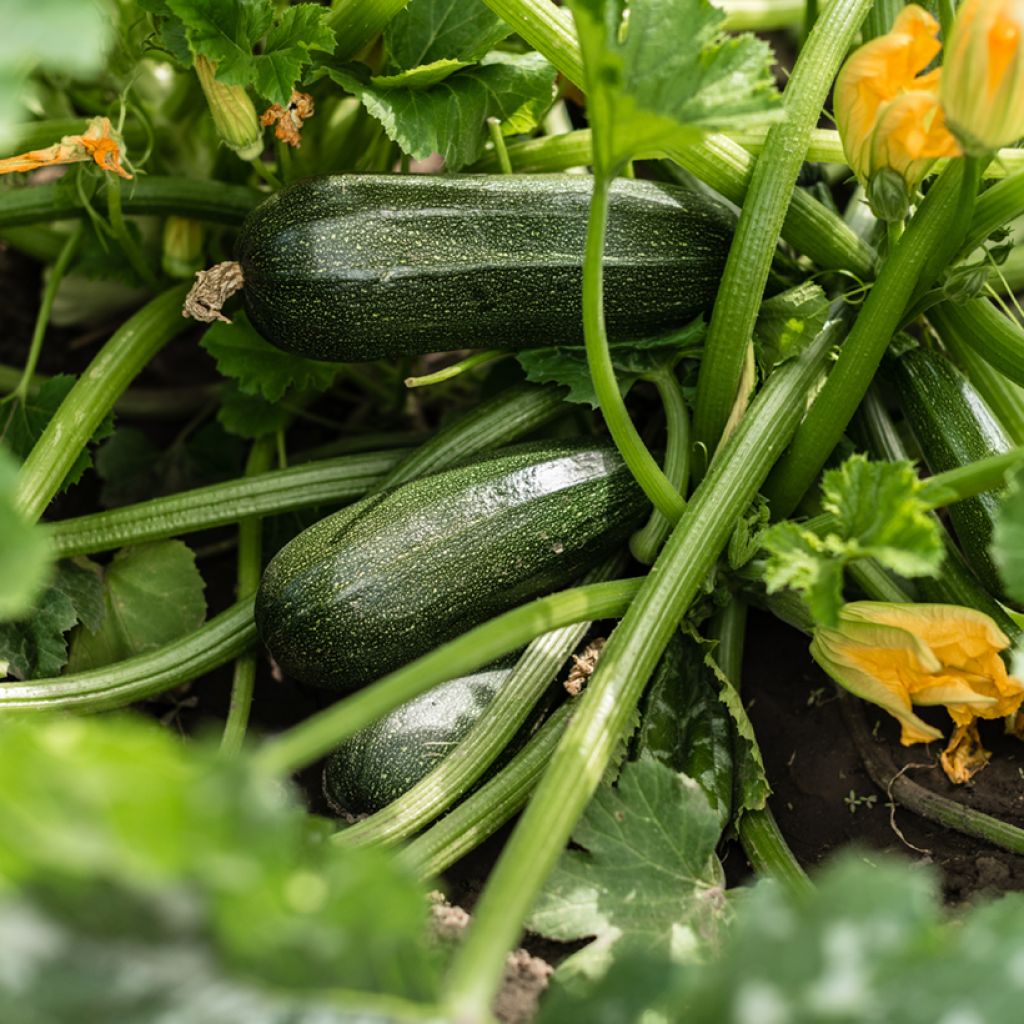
(953, 427)
(382, 582)
(360, 267)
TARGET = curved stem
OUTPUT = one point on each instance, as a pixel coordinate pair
(626, 664)
(642, 464)
(762, 217)
(113, 368)
(991, 334)
(456, 369)
(930, 232)
(250, 568)
(124, 237)
(67, 252)
(483, 813)
(322, 732)
(646, 543)
(115, 686)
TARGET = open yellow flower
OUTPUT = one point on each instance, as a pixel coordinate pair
(983, 82)
(98, 143)
(888, 113)
(898, 655)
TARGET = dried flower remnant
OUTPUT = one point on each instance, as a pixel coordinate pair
(99, 143)
(888, 112)
(982, 87)
(899, 655)
(288, 120)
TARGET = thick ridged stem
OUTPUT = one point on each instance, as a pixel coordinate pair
(762, 217)
(987, 331)
(106, 378)
(628, 659)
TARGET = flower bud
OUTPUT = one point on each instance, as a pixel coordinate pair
(982, 87)
(182, 247)
(233, 113)
(888, 113)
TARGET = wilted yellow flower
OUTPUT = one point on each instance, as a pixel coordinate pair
(888, 113)
(898, 655)
(983, 81)
(98, 142)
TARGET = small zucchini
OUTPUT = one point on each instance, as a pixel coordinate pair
(380, 583)
(953, 426)
(351, 268)
(384, 760)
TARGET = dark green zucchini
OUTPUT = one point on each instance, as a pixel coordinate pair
(351, 268)
(379, 763)
(380, 583)
(953, 427)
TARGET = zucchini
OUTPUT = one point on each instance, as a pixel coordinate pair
(388, 579)
(953, 426)
(351, 268)
(384, 760)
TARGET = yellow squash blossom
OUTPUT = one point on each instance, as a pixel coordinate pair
(898, 655)
(888, 113)
(983, 82)
(98, 142)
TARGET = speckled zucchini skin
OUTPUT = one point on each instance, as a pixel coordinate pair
(376, 585)
(379, 763)
(954, 426)
(351, 267)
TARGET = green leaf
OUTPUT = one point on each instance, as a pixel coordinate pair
(117, 835)
(153, 594)
(34, 647)
(633, 360)
(249, 416)
(426, 31)
(648, 878)
(450, 117)
(261, 368)
(423, 76)
(879, 513)
(787, 323)
(229, 31)
(1008, 538)
(23, 423)
(662, 72)
(24, 551)
(751, 789)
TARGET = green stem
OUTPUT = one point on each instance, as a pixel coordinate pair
(124, 237)
(485, 741)
(498, 142)
(642, 464)
(721, 163)
(21, 392)
(762, 216)
(974, 478)
(483, 813)
(250, 568)
(923, 802)
(991, 334)
(115, 686)
(327, 482)
(455, 370)
(996, 207)
(319, 734)
(113, 368)
(511, 414)
(358, 22)
(1001, 395)
(626, 664)
(204, 200)
(931, 231)
(646, 543)
(947, 16)
(880, 18)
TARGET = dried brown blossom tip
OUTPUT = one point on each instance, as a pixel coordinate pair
(212, 289)
(289, 119)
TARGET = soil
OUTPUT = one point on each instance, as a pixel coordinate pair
(824, 798)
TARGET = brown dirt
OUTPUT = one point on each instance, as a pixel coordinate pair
(824, 798)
